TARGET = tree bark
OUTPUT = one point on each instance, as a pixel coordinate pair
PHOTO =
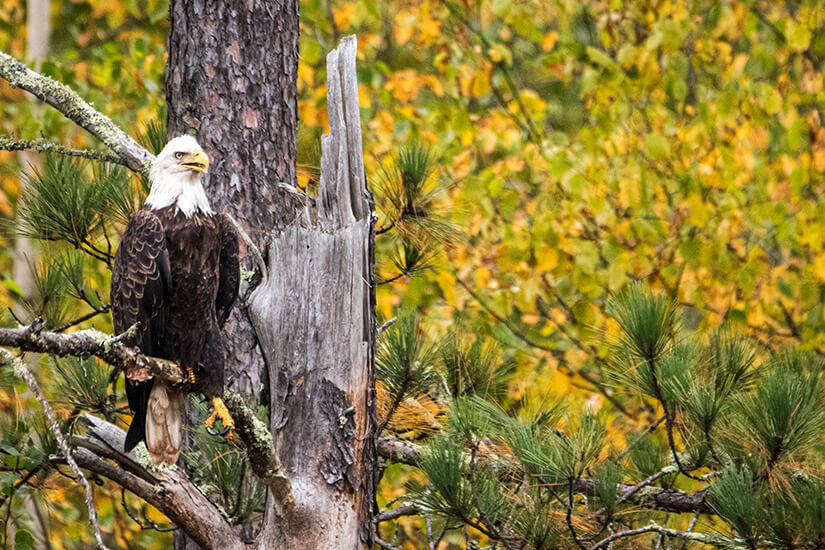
(232, 81)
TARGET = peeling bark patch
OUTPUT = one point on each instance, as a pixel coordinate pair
(336, 411)
(250, 118)
(235, 51)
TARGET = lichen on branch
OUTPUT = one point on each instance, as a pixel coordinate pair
(8, 143)
(68, 102)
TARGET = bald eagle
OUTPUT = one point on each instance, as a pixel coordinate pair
(175, 277)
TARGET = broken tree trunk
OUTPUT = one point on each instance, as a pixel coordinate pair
(313, 314)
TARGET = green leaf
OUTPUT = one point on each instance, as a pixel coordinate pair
(798, 36)
(23, 540)
(598, 56)
(657, 146)
(501, 7)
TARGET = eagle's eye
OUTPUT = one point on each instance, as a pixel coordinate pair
(178, 155)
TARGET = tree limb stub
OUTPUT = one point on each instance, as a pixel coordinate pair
(68, 102)
(257, 441)
(656, 498)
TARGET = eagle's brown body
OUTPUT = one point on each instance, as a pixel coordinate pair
(176, 277)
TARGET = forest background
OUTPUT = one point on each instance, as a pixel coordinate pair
(570, 148)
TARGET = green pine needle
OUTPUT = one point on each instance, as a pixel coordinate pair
(405, 359)
(83, 383)
(648, 321)
(472, 368)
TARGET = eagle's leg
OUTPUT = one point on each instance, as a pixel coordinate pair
(220, 412)
(191, 374)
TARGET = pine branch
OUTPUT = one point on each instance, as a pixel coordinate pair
(652, 498)
(8, 143)
(68, 102)
(20, 368)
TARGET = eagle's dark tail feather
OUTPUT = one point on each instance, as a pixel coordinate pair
(138, 396)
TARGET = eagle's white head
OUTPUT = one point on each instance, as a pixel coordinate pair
(176, 177)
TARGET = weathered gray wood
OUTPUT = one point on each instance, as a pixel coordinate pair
(314, 317)
(170, 490)
(343, 195)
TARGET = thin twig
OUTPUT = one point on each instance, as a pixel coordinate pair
(303, 198)
(569, 515)
(250, 244)
(41, 145)
(83, 319)
(149, 523)
(668, 421)
(23, 371)
(690, 528)
(384, 544)
(395, 513)
(648, 430)
(386, 325)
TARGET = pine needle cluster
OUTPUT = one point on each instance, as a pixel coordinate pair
(738, 451)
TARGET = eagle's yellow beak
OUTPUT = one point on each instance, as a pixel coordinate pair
(197, 161)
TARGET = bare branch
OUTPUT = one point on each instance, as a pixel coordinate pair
(386, 325)
(395, 513)
(87, 343)
(655, 528)
(68, 102)
(398, 451)
(8, 143)
(22, 370)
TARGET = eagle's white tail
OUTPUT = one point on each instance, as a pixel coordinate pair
(163, 423)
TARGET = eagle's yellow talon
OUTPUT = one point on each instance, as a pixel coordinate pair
(220, 412)
(191, 375)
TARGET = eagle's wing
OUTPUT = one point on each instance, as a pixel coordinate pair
(229, 271)
(140, 280)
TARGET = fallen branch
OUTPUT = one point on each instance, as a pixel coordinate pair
(68, 102)
(8, 143)
(20, 368)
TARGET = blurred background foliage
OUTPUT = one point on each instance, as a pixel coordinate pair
(530, 158)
